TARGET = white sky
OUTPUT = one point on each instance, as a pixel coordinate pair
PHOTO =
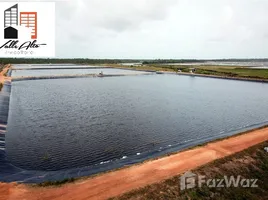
(162, 29)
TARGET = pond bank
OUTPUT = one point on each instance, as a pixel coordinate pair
(23, 78)
(141, 175)
(224, 77)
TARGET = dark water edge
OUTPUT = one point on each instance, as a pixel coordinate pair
(11, 173)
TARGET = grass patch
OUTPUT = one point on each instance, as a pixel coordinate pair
(226, 71)
(56, 183)
(235, 72)
(147, 67)
(251, 163)
(5, 74)
(230, 71)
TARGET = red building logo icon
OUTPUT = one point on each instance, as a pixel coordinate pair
(29, 19)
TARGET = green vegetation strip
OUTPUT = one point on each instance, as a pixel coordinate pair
(249, 164)
(234, 72)
(56, 183)
(224, 71)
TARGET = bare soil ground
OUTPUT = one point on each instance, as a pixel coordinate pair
(251, 163)
(4, 78)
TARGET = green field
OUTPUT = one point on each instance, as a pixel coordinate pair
(227, 71)
(234, 72)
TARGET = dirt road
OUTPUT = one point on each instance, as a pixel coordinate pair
(121, 181)
(3, 78)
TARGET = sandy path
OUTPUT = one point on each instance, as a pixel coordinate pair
(124, 180)
(4, 78)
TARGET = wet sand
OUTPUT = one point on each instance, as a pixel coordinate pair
(124, 180)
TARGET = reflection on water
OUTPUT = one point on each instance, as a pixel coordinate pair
(68, 123)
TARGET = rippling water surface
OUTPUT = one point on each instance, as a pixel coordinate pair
(69, 123)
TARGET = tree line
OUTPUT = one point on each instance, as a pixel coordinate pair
(82, 61)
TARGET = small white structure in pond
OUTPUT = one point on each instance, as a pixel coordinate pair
(266, 149)
(192, 70)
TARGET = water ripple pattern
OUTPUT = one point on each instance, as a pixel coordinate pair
(76, 127)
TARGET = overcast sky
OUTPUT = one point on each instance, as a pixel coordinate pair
(162, 29)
